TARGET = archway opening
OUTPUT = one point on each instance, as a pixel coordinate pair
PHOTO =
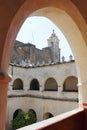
(47, 115)
(70, 84)
(17, 112)
(18, 84)
(31, 111)
(51, 85)
(34, 85)
(65, 22)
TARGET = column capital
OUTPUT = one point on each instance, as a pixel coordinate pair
(5, 78)
(83, 84)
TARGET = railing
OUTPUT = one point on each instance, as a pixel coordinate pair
(73, 120)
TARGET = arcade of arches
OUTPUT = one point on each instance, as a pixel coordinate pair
(69, 15)
(42, 89)
(19, 111)
(70, 84)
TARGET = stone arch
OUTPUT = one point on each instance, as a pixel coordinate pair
(47, 115)
(65, 17)
(14, 16)
(51, 85)
(17, 112)
(54, 10)
(33, 112)
(18, 84)
(70, 84)
(34, 85)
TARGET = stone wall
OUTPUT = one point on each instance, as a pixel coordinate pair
(41, 101)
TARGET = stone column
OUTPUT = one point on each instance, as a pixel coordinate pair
(41, 88)
(82, 94)
(4, 80)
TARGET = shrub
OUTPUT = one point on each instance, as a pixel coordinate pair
(23, 119)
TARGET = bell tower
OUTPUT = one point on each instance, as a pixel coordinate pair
(53, 44)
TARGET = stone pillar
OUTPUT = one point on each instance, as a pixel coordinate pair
(82, 94)
(41, 88)
(4, 80)
(60, 88)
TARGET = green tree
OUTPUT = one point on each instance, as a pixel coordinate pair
(23, 119)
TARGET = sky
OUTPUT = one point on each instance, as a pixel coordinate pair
(36, 30)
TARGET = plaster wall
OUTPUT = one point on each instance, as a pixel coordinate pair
(59, 72)
(41, 101)
(40, 106)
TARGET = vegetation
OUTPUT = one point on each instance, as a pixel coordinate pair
(23, 119)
